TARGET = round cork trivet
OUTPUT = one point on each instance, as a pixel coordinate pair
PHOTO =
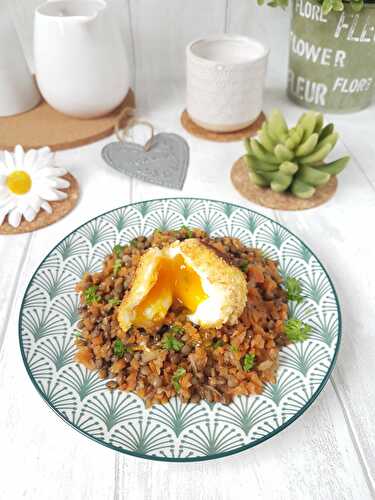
(237, 135)
(44, 126)
(279, 201)
(43, 219)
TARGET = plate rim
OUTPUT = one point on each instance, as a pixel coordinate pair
(234, 451)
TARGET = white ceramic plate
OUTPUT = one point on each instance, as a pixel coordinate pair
(175, 431)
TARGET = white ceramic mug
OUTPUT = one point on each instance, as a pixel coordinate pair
(80, 57)
(225, 81)
(18, 92)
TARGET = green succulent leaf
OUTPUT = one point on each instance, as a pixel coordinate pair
(277, 126)
(308, 146)
(260, 166)
(330, 139)
(258, 179)
(282, 153)
(313, 176)
(281, 182)
(308, 123)
(327, 6)
(318, 155)
(337, 166)
(265, 138)
(326, 131)
(288, 168)
(261, 153)
(301, 189)
(320, 118)
(247, 145)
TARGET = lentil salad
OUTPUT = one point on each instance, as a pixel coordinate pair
(179, 357)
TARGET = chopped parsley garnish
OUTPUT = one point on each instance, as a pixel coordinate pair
(296, 330)
(233, 348)
(114, 302)
(119, 348)
(170, 343)
(134, 242)
(178, 374)
(248, 361)
(90, 295)
(218, 343)
(244, 266)
(188, 231)
(117, 250)
(78, 334)
(117, 266)
(294, 290)
(176, 329)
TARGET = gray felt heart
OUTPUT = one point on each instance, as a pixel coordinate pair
(165, 164)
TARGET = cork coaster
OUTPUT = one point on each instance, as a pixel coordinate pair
(237, 135)
(279, 201)
(44, 126)
(43, 219)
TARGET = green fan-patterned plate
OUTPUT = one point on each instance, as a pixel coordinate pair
(175, 431)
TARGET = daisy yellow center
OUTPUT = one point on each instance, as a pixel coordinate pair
(19, 182)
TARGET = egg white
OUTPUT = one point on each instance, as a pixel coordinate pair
(224, 284)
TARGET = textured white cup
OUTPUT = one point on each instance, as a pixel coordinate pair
(225, 81)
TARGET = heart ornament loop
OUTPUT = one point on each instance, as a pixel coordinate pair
(123, 133)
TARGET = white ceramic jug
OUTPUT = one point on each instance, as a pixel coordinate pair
(18, 92)
(80, 57)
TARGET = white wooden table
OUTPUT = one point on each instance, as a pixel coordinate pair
(329, 453)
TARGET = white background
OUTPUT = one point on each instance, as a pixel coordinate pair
(329, 453)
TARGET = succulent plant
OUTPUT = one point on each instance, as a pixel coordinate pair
(292, 159)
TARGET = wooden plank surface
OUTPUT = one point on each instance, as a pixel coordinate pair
(327, 454)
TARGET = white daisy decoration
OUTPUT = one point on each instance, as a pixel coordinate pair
(28, 181)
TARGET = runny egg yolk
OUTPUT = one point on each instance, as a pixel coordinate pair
(19, 182)
(176, 281)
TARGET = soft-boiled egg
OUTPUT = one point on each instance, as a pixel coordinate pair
(213, 291)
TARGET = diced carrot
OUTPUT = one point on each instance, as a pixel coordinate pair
(256, 273)
(84, 356)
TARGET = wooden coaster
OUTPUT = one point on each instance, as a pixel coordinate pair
(237, 135)
(43, 126)
(43, 219)
(279, 201)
